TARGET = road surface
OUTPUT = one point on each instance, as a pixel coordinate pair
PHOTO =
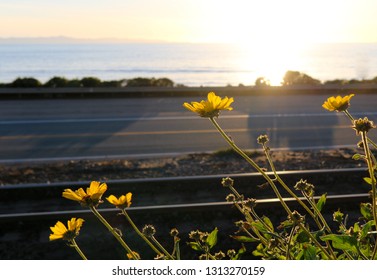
(134, 127)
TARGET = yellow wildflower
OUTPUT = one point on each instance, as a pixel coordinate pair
(124, 201)
(91, 197)
(337, 103)
(60, 231)
(211, 107)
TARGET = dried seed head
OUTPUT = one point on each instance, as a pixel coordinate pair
(219, 255)
(227, 182)
(230, 198)
(297, 217)
(195, 235)
(149, 230)
(362, 125)
(262, 139)
(304, 186)
(231, 253)
(174, 232)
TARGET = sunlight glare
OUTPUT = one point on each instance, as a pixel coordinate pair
(270, 60)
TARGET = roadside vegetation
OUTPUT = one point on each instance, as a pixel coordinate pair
(88, 82)
(290, 78)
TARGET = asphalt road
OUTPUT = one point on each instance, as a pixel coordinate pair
(135, 127)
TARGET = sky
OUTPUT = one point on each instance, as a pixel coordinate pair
(209, 21)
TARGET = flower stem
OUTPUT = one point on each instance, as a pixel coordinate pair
(114, 232)
(77, 248)
(278, 178)
(368, 158)
(252, 163)
(269, 180)
(162, 248)
(139, 232)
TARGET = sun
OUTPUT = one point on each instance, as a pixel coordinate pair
(271, 34)
(269, 59)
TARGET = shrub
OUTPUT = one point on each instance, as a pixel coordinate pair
(297, 78)
(26, 83)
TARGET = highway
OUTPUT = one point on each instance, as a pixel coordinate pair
(41, 129)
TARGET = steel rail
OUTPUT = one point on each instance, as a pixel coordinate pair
(261, 203)
(71, 184)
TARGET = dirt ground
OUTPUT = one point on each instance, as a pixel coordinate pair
(222, 162)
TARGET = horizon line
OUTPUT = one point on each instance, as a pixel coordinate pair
(69, 39)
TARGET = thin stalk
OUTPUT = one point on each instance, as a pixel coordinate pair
(161, 247)
(77, 248)
(288, 255)
(320, 216)
(177, 250)
(261, 220)
(114, 232)
(349, 115)
(252, 163)
(250, 218)
(373, 182)
(317, 212)
(269, 180)
(284, 185)
(124, 212)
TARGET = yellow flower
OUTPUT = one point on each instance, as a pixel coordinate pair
(337, 103)
(91, 197)
(124, 201)
(211, 107)
(59, 231)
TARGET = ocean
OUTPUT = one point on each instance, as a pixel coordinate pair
(187, 64)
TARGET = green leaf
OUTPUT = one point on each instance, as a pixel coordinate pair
(366, 229)
(285, 224)
(240, 252)
(366, 211)
(368, 180)
(356, 228)
(259, 226)
(342, 242)
(357, 156)
(241, 238)
(268, 222)
(310, 252)
(302, 237)
(212, 238)
(321, 202)
(195, 246)
(259, 251)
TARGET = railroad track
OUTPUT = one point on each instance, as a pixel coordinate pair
(187, 203)
(188, 193)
